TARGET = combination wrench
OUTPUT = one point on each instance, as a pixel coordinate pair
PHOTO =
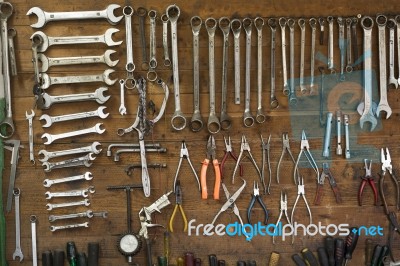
(292, 97)
(14, 146)
(71, 193)
(260, 116)
(152, 74)
(85, 202)
(86, 214)
(225, 120)
(142, 13)
(397, 19)
(130, 81)
(383, 105)
(302, 25)
(18, 251)
(74, 162)
(54, 228)
(313, 25)
(236, 27)
(196, 123)
(30, 117)
(122, 108)
(165, 20)
(282, 24)
(51, 138)
(349, 66)
(178, 120)
(54, 154)
(50, 120)
(248, 119)
(391, 24)
(272, 23)
(213, 124)
(342, 47)
(331, 66)
(86, 176)
(354, 23)
(33, 220)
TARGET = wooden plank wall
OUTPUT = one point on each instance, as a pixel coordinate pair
(107, 172)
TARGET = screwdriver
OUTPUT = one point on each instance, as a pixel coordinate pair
(322, 256)
(376, 255)
(369, 249)
(71, 254)
(298, 260)
(212, 260)
(309, 257)
(166, 245)
(330, 250)
(197, 262)
(189, 259)
(351, 244)
(339, 251)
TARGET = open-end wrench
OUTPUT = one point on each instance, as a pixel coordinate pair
(142, 13)
(354, 23)
(383, 105)
(54, 154)
(30, 117)
(71, 193)
(213, 124)
(130, 65)
(79, 97)
(49, 41)
(302, 25)
(104, 77)
(339, 132)
(225, 120)
(45, 17)
(282, 24)
(18, 251)
(68, 226)
(236, 26)
(11, 51)
(78, 60)
(122, 108)
(272, 23)
(196, 123)
(85, 176)
(49, 120)
(292, 97)
(331, 63)
(391, 24)
(349, 66)
(397, 19)
(347, 136)
(313, 25)
(87, 214)
(33, 219)
(74, 162)
(259, 24)
(248, 119)
(178, 120)
(321, 22)
(85, 202)
(327, 139)
(165, 20)
(342, 47)
(367, 24)
(51, 138)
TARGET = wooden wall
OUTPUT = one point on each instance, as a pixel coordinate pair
(106, 172)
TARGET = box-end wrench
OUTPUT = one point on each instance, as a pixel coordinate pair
(213, 124)
(347, 136)
(349, 66)
(272, 23)
(130, 81)
(292, 97)
(354, 23)
(54, 154)
(397, 19)
(54, 228)
(18, 251)
(236, 27)
(152, 74)
(339, 132)
(259, 24)
(142, 13)
(196, 123)
(86, 214)
(86, 176)
(30, 117)
(122, 108)
(85, 202)
(383, 105)
(321, 22)
(342, 47)
(45, 17)
(49, 120)
(367, 24)
(165, 20)
(248, 119)
(225, 120)
(302, 25)
(282, 24)
(331, 63)
(51, 138)
(33, 220)
(391, 24)
(178, 120)
(313, 25)
(328, 131)
(11, 51)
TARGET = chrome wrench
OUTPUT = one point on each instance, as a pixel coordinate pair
(69, 226)
(313, 25)
(213, 124)
(302, 26)
(321, 22)
(122, 108)
(54, 154)
(34, 242)
(347, 136)
(248, 119)
(152, 74)
(342, 47)
(272, 23)
(86, 214)
(85, 202)
(292, 97)
(18, 251)
(30, 117)
(11, 51)
(86, 176)
(397, 19)
(225, 120)
(354, 22)
(259, 24)
(331, 66)
(282, 24)
(165, 20)
(196, 123)
(236, 26)
(349, 66)
(74, 162)
(339, 132)
(15, 146)
(130, 81)
(391, 24)
(71, 193)
(51, 138)
(142, 13)
(99, 112)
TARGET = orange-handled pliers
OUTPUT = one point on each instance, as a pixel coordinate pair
(203, 174)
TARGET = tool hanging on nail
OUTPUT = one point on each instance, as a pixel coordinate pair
(368, 178)
(229, 151)
(211, 147)
(285, 147)
(184, 154)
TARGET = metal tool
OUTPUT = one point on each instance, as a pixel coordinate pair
(86, 214)
(387, 167)
(256, 196)
(225, 120)
(45, 17)
(129, 145)
(118, 154)
(86, 149)
(74, 162)
(397, 19)
(51, 138)
(342, 47)
(71, 193)
(260, 116)
(321, 96)
(350, 62)
(328, 132)
(130, 81)
(86, 176)
(367, 24)
(165, 20)
(283, 211)
(236, 26)
(305, 148)
(11, 32)
(184, 154)
(229, 151)
(30, 117)
(272, 23)
(13, 146)
(211, 147)
(354, 23)
(266, 150)
(196, 123)
(33, 219)
(151, 74)
(368, 178)
(122, 108)
(347, 135)
(292, 96)
(85, 202)
(248, 119)
(18, 251)
(142, 14)
(302, 26)
(54, 228)
(178, 120)
(391, 24)
(282, 24)
(321, 22)
(313, 25)
(178, 205)
(47, 41)
(285, 148)
(331, 66)
(326, 174)
(300, 193)
(339, 132)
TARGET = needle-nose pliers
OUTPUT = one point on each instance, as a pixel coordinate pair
(256, 196)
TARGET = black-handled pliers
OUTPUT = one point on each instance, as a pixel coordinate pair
(256, 196)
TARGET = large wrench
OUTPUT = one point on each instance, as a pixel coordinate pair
(74, 162)
(18, 251)
(397, 19)
(272, 23)
(165, 20)
(292, 97)
(236, 26)
(331, 66)
(213, 124)
(51, 138)
(342, 47)
(313, 25)
(367, 24)
(15, 146)
(45, 17)
(85, 202)
(67, 40)
(383, 105)
(196, 123)
(391, 24)
(78, 60)
(302, 25)
(260, 116)
(54, 154)
(225, 120)
(99, 112)
(178, 120)
(122, 108)
(248, 119)
(282, 24)
(30, 117)
(104, 77)
(34, 248)
(85, 176)
(142, 13)
(11, 50)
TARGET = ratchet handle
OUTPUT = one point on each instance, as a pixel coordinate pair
(203, 178)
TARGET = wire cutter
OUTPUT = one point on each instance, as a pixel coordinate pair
(368, 178)
(244, 146)
(256, 196)
(185, 155)
(305, 148)
(326, 173)
(265, 149)
(387, 166)
(178, 204)
(283, 209)
(285, 147)
(211, 147)
(229, 151)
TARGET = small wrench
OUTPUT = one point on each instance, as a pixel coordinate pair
(349, 66)
(54, 154)
(331, 66)
(85, 202)
(18, 251)
(30, 117)
(86, 176)
(260, 116)
(236, 26)
(282, 24)
(302, 26)
(165, 20)
(88, 214)
(292, 97)
(313, 25)
(391, 24)
(122, 108)
(99, 112)
(248, 119)
(69, 226)
(272, 23)
(71, 193)
(51, 138)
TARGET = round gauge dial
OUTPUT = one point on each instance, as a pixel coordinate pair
(129, 244)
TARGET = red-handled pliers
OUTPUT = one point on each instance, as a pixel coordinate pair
(368, 178)
(229, 151)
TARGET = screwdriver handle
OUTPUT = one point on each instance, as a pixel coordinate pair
(82, 259)
(323, 256)
(309, 257)
(47, 258)
(162, 261)
(298, 260)
(339, 251)
(274, 259)
(376, 255)
(351, 243)
(197, 262)
(58, 257)
(221, 263)
(212, 260)
(189, 259)
(330, 250)
(369, 249)
(93, 253)
(180, 261)
(251, 263)
(241, 263)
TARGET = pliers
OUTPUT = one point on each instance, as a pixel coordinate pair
(229, 151)
(305, 148)
(368, 178)
(211, 147)
(283, 210)
(300, 193)
(285, 147)
(185, 155)
(326, 173)
(178, 204)
(256, 196)
(265, 149)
